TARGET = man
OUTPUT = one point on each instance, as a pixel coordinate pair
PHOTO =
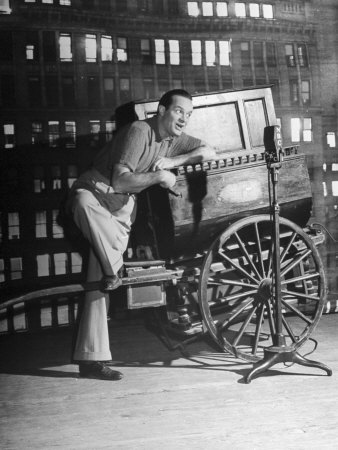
(102, 202)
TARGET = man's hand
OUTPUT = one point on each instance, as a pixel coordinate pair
(167, 179)
(163, 163)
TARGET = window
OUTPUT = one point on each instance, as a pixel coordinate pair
(4, 7)
(302, 55)
(245, 54)
(122, 51)
(68, 91)
(16, 268)
(76, 262)
(193, 9)
(295, 129)
(224, 53)
(52, 90)
(289, 55)
(70, 134)
(294, 92)
(71, 175)
(331, 139)
(210, 53)
(307, 129)
(177, 84)
(124, 89)
(324, 189)
(90, 48)
(93, 91)
(222, 9)
(60, 263)
(240, 10)
(146, 51)
(32, 46)
(34, 91)
(8, 90)
(258, 54)
(301, 128)
(271, 60)
(335, 188)
(13, 226)
(159, 51)
(65, 47)
(305, 92)
(267, 11)
(254, 9)
(9, 135)
(174, 52)
(196, 53)
(148, 87)
(110, 128)
(106, 48)
(53, 133)
(49, 46)
(57, 231)
(37, 133)
(41, 224)
(173, 8)
(39, 179)
(108, 92)
(65, 2)
(43, 265)
(207, 9)
(275, 91)
(56, 177)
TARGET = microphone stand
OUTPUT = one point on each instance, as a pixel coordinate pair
(278, 352)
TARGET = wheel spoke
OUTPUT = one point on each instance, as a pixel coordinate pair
(300, 295)
(233, 297)
(243, 327)
(300, 258)
(289, 330)
(259, 247)
(236, 266)
(224, 281)
(296, 311)
(247, 256)
(228, 321)
(287, 248)
(300, 278)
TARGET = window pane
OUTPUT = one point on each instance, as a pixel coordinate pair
(254, 9)
(16, 268)
(193, 9)
(41, 224)
(295, 129)
(331, 139)
(196, 53)
(267, 11)
(56, 229)
(106, 48)
(90, 48)
(224, 53)
(174, 52)
(222, 9)
(240, 9)
(60, 263)
(210, 53)
(76, 260)
(43, 264)
(65, 47)
(159, 50)
(122, 55)
(207, 8)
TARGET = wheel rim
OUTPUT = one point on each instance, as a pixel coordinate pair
(236, 287)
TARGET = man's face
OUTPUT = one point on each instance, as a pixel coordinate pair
(176, 117)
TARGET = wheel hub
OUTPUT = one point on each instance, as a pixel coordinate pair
(265, 289)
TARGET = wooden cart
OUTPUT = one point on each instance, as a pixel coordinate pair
(210, 245)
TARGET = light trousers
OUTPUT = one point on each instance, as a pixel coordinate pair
(108, 235)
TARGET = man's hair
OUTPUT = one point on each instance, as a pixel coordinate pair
(166, 99)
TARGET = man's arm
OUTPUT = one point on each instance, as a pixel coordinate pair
(199, 154)
(123, 180)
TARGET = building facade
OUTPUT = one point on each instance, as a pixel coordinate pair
(66, 65)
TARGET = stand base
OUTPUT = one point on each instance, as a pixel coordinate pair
(275, 355)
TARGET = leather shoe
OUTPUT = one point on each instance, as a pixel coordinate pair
(109, 283)
(98, 370)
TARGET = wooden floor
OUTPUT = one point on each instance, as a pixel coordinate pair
(166, 400)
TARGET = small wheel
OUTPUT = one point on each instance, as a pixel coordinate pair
(236, 287)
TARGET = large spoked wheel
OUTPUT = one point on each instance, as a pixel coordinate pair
(236, 287)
